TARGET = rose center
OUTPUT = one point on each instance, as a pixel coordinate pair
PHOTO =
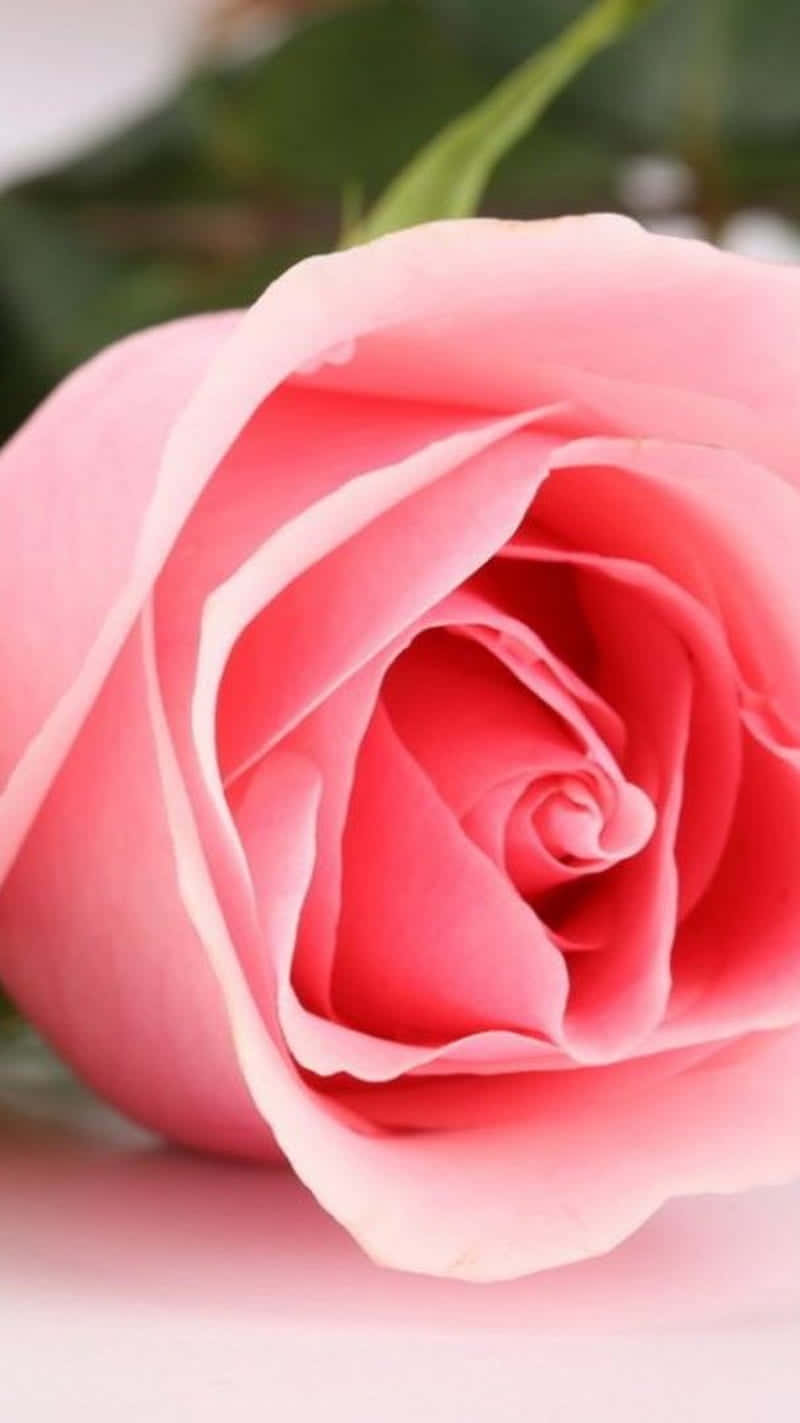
(567, 825)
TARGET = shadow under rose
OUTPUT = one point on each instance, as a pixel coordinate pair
(90, 1207)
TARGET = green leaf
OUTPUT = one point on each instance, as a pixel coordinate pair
(448, 177)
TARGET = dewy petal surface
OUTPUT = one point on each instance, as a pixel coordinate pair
(538, 330)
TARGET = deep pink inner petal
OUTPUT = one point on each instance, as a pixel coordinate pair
(566, 827)
(618, 995)
(480, 733)
(736, 959)
(716, 523)
(455, 1101)
(714, 751)
(304, 786)
(469, 722)
(432, 940)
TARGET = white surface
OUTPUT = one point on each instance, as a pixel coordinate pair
(138, 1284)
(756, 232)
(169, 1371)
(72, 70)
(655, 182)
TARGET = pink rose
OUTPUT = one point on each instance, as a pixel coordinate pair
(401, 732)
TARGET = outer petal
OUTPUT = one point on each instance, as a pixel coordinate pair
(627, 325)
(589, 1165)
(77, 488)
(96, 945)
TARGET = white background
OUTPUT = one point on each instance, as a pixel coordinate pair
(141, 1284)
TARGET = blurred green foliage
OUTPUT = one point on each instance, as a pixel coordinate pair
(247, 168)
(646, 89)
(447, 178)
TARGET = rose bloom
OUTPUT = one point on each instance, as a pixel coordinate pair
(400, 740)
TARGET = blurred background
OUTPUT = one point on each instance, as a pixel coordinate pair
(159, 157)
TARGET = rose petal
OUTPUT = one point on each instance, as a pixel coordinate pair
(300, 446)
(472, 727)
(83, 475)
(96, 946)
(455, 951)
(320, 588)
(283, 789)
(469, 723)
(619, 995)
(713, 759)
(713, 521)
(519, 340)
(736, 957)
